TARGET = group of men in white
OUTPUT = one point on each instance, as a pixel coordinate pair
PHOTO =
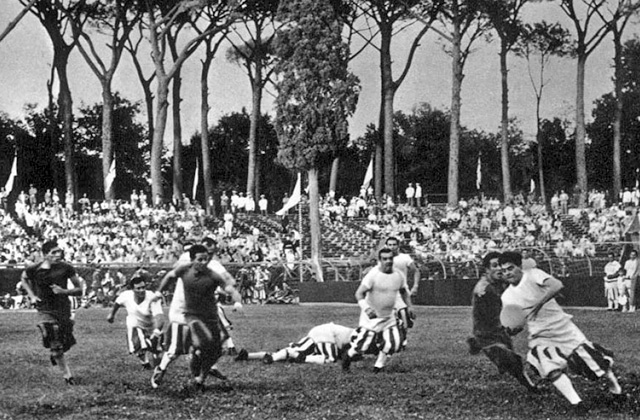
(620, 282)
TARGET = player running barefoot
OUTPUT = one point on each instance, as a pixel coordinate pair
(555, 343)
(378, 328)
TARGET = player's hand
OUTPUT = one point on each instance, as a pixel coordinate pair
(370, 313)
(57, 290)
(414, 292)
(514, 331)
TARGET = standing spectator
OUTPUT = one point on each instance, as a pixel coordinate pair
(410, 194)
(134, 199)
(489, 336)
(235, 201)
(224, 202)
(611, 278)
(249, 203)
(556, 344)
(33, 196)
(261, 276)
(564, 202)
(142, 199)
(228, 224)
(210, 205)
(418, 195)
(627, 197)
(55, 197)
(46, 285)
(630, 281)
(47, 197)
(263, 203)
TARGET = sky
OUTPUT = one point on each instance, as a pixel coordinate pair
(26, 55)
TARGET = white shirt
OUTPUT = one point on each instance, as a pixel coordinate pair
(139, 315)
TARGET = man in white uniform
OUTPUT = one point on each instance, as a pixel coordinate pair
(378, 328)
(555, 343)
(322, 344)
(611, 278)
(629, 282)
(403, 262)
(144, 321)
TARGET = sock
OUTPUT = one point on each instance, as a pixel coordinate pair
(166, 360)
(316, 359)
(229, 343)
(256, 355)
(564, 385)
(614, 386)
(281, 355)
(62, 363)
(381, 360)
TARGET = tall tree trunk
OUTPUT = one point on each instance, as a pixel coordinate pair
(256, 104)
(454, 131)
(504, 132)
(617, 115)
(178, 184)
(314, 224)
(65, 104)
(204, 134)
(581, 162)
(388, 93)
(52, 127)
(107, 138)
(543, 191)
(333, 179)
(162, 94)
(378, 152)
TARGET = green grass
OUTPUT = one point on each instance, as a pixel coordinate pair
(435, 378)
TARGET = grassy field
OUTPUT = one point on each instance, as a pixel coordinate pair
(435, 378)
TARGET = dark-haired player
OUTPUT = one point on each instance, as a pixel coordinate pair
(199, 284)
(378, 328)
(555, 343)
(46, 284)
(144, 320)
(489, 336)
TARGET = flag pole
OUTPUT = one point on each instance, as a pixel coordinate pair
(300, 229)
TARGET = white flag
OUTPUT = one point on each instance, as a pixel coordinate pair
(479, 173)
(111, 176)
(533, 186)
(12, 175)
(368, 176)
(293, 200)
(195, 180)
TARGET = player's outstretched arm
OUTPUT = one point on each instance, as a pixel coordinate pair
(168, 278)
(26, 284)
(112, 314)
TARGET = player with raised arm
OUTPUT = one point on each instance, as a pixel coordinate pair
(378, 327)
(403, 262)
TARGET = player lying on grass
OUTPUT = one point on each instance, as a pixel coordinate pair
(378, 327)
(556, 345)
(489, 335)
(322, 344)
(145, 320)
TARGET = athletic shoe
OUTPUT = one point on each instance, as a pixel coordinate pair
(217, 374)
(242, 356)
(53, 360)
(267, 359)
(377, 370)
(146, 366)
(231, 351)
(70, 381)
(156, 378)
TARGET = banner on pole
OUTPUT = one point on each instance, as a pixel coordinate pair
(12, 175)
(294, 199)
(195, 180)
(111, 176)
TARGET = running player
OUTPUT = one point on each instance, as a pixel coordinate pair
(378, 327)
(555, 343)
